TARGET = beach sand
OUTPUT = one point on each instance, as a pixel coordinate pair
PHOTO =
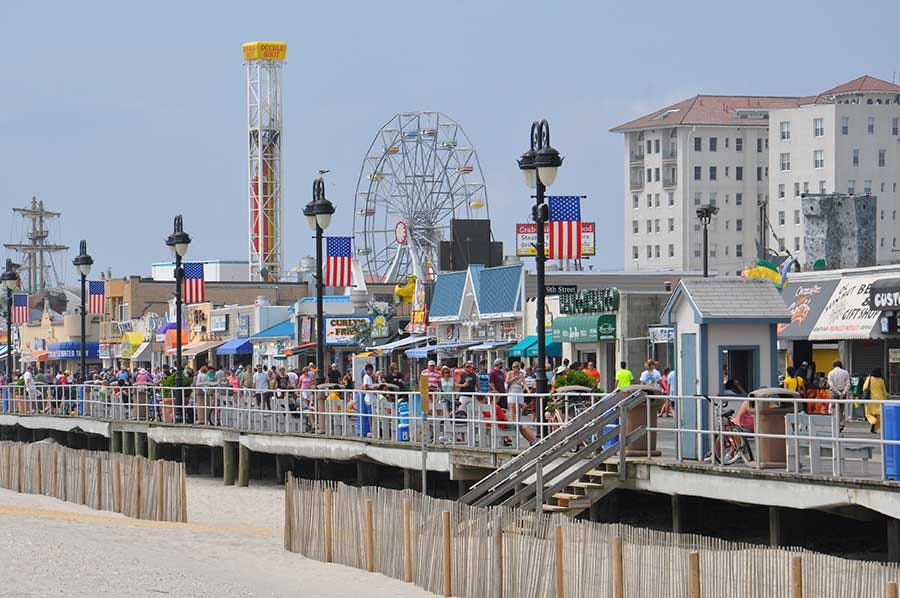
(233, 546)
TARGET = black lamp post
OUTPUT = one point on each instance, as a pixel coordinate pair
(83, 263)
(10, 280)
(178, 243)
(705, 214)
(318, 214)
(540, 165)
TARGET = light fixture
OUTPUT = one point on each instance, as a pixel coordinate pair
(9, 277)
(83, 261)
(548, 162)
(179, 241)
(319, 211)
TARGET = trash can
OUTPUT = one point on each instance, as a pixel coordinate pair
(403, 420)
(609, 428)
(890, 423)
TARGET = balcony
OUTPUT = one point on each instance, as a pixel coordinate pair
(670, 154)
(636, 184)
(637, 156)
(670, 181)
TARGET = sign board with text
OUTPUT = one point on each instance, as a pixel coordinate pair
(526, 238)
(342, 330)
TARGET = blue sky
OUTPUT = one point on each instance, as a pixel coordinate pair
(122, 115)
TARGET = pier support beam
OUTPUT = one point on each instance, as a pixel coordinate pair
(152, 449)
(128, 443)
(776, 533)
(279, 468)
(229, 462)
(140, 444)
(215, 461)
(893, 539)
(186, 458)
(409, 479)
(366, 473)
(678, 514)
(243, 466)
(115, 441)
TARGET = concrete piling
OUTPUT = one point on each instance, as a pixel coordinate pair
(243, 466)
(229, 465)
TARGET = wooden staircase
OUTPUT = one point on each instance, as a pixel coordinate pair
(582, 493)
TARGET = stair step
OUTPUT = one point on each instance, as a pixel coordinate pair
(566, 496)
(597, 473)
(555, 509)
(585, 485)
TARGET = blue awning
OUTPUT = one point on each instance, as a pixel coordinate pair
(388, 348)
(519, 349)
(419, 352)
(552, 349)
(72, 350)
(490, 345)
(236, 346)
(283, 329)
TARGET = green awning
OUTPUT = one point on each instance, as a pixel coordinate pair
(551, 348)
(584, 329)
(519, 349)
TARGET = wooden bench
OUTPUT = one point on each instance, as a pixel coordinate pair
(817, 427)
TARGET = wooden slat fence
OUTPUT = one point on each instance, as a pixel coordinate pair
(501, 552)
(132, 485)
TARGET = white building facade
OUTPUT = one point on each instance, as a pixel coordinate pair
(846, 141)
(728, 151)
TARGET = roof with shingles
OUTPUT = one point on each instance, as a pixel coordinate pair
(732, 298)
(447, 294)
(863, 84)
(498, 289)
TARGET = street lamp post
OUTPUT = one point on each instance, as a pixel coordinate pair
(318, 214)
(705, 214)
(83, 263)
(178, 243)
(539, 165)
(10, 280)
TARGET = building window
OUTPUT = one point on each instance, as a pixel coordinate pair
(759, 173)
(780, 190)
(726, 143)
(780, 244)
(819, 127)
(738, 250)
(851, 186)
(649, 175)
(713, 144)
(894, 243)
(739, 224)
(895, 187)
(634, 202)
(712, 198)
(738, 144)
(649, 251)
(882, 187)
(671, 225)
(698, 173)
(656, 174)
(739, 173)
(796, 216)
(738, 199)
(726, 251)
(895, 126)
(671, 250)
(726, 172)
(882, 154)
(785, 127)
(656, 200)
(867, 187)
(870, 125)
(805, 186)
(671, 198)
(856, 157)
(656, 250)
(781, 217)
(785, 162)
(821, 186)
(882, 214)
(656, 146)
(649, 147)
(634, 252)
(634, 227)
(698, 198)
(881, 243)
(656, 224)
(796, 243)
(727, 224)
(649, 201)
(712, 173)
(698, 144)
(759, 143)
(894, 215)
(796, 189)
(649, 226)
(819, 159)
(845, 125)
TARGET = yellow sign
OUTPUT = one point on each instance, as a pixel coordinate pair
(265, 50)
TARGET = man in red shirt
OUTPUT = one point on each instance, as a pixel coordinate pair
(591, 371)
(498, 383)
(434, 376)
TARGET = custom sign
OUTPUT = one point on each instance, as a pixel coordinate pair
(585, 329)
(590, 301)
(807, 300)
(847, 314)
(243, 327)
(560, 289)
(526, 238)
(305, 329)
(379, 326)
(401, 232)
(342, 330)
(218, 323)
(661, 335)
(893, 355)
(418, 321)
(884, 295)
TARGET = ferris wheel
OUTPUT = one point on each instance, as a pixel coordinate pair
(420, 172)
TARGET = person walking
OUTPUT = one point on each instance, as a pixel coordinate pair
(515, 385)
(839, 386)
(666, 409)
(874, 389)
(624, 377)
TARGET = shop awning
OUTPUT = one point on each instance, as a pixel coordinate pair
(584, 329)
(552, 349)
(388, 348)
(452, 347)
(142, 353)
(490, 345)
(194, 349)
(420, 352)
(518, 350)
(298, 349)
(35, 356)
(805, 301)
(847, 315)
(284, 329)
(236, 346)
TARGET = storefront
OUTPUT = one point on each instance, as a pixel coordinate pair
(805, 301)
(66, 356)
(592, 339)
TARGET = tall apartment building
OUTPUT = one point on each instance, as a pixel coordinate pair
(845, 141)
(716, 150)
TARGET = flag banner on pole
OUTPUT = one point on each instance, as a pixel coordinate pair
(338, 263)
(20, 308)
(96, 297)
(194, 284)
(565, 227)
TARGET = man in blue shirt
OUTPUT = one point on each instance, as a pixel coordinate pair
(484, 377)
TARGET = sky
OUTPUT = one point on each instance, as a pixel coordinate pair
(122, 115)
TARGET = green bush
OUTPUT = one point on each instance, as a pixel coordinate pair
(575, 378)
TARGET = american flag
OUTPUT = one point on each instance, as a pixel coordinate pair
(20, 308)
(338, 264)
(96, 297)
(565, 227)
(194, 284)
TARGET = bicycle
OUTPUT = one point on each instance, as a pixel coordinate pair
(736, 448)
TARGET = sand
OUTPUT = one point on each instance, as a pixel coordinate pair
(231, 547)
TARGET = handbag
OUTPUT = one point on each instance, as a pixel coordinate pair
(867, 393)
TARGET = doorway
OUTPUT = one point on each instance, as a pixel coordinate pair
(740, 364)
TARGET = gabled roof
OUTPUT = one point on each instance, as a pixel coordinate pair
(714, 110)
(729, 299)
(447, 294)
(863, 84)
(499, 290)
(283, 329)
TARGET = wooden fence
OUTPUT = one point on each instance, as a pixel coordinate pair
(134, 486)
(453, 549)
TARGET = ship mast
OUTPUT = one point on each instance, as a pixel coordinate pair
(37, 251)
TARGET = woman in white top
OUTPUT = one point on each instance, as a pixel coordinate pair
(515, 386)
